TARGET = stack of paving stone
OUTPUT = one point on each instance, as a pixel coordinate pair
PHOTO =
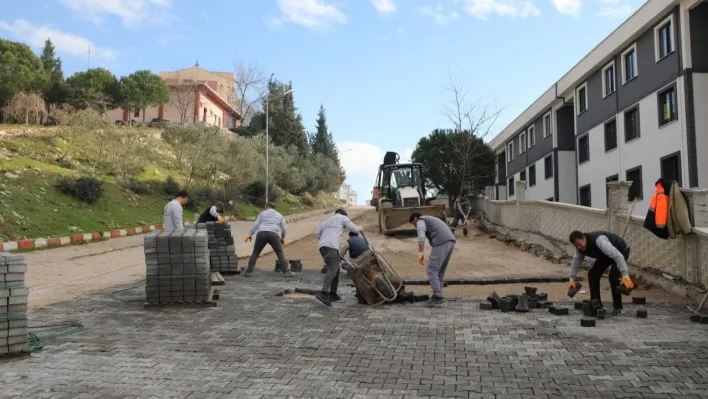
(222, 250)
(13, 304)
(178, 268)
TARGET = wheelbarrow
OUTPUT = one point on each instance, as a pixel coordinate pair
(374, 278)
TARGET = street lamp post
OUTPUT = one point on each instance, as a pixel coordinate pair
(268, 140)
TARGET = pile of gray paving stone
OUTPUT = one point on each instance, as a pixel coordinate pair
(178, 269)
(13, 304)
(222, 250)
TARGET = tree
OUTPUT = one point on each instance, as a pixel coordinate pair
(321, 142)
(285, 126)
(342, 175)
(55, 92)
(96, 88)
(250, 87)
(24, 108)
(143, 89)
(182, 96)
(20, 70)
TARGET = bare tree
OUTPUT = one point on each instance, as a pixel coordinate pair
(250, 87)
(473, 121)
(25, 108)
(182, 95)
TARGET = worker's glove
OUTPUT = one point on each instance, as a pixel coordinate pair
(421, 258)
(627, 282)
(361, 229)
(571, 285)
(220, 219)
(282, 241)
(247, 239)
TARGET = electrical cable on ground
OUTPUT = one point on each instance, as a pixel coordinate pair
(36, 342)
(141, 299)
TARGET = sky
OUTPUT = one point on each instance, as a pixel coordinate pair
(379, 67)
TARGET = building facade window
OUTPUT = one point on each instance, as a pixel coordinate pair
(668, 110)
(631, 124)
(585, 198)
(671, 167)
(664, 38)
(522, 175)
(510, 152)
(582, 98)
(629, 64)
(522, 143)
(136, 113)
(510, 187)
(635, 190)
(610, 135)
(548, 167)
(532, 175)
(547, 125)
(531, 136)
(608, 79)
(583, 149)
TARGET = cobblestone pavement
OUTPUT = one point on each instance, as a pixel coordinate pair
(257, 345)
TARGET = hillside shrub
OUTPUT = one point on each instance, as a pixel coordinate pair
(136, 186)
(88, 189)
(255, 193)
(171, 187)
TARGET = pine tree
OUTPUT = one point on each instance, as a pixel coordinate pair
(321, 142)
(55, 91)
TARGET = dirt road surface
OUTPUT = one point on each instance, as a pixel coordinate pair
(476, 256)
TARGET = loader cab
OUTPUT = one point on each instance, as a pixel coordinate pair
(402, 184)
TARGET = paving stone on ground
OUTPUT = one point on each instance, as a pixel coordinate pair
(257, 345)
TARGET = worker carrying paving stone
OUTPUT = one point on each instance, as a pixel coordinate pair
(608, 250)
(462, 208)
(173, 214)
(268, 224)
(328, 233)
(442, 242)
(212, 213)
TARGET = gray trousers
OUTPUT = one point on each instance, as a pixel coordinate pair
(272, 239)
(331, 260)
(459, 216)
(437, 265)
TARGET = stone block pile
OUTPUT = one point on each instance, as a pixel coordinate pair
(13, 304)
(222, 250)
(178, 269)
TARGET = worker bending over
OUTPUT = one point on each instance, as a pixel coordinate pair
(355, 246)
(442, 242)
(328, 233)
(462, 208)
(268, 224)
(173, 214)
(608, 250)
(212, 213)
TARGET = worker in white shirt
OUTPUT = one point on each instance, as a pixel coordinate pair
(272, 230)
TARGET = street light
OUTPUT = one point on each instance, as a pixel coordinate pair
(267, 140)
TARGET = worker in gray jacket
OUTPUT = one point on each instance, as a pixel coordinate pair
(328, 233)
(173, 214)
(442, 241)
(268, 224)
(462, 207)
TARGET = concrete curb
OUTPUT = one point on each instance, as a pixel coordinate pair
(75, 239)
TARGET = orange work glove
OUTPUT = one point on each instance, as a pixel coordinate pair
(571, 285)
(220, 219)
(282, 241)
(421, 258)
(247, 239)
(627, 282)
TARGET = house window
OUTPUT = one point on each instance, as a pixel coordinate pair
(635, 190)
(671, 167)
(608, 79)
(610, 135)
(548, 167)
(631, 124)
(136, 113)
(510, 187)
(583, 149)
(522, 143)
(585, 199)
(629, 64)
(664, 38)
(531, 136)
(547, 125)
(614, 177)
(582, 98)
(510, 152)
(532, 175)
(667, 106)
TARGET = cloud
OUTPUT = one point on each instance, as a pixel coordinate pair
(315, 15)
(400, 30)
(131, 12)
(363, 159)
(614, 9)
(568, 7)
(482, 9)
(384, 6)
(66, 43)
(438, 14)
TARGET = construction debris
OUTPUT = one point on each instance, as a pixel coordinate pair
(13, 305)
(222, 250)
(178, 269)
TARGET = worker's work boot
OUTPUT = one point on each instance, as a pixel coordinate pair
(323, 297)
(287, 273)
(333, 297)
(617, 312)
(246, 274)
(436, 301)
